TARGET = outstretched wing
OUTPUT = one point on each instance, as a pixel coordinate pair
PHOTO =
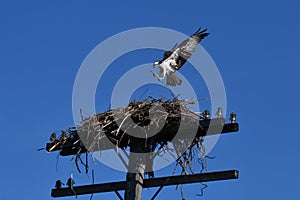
(167, 54)
(187, 47)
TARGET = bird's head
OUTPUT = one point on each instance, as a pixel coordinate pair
(157, 63)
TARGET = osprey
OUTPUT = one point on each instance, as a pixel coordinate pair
(174, 59)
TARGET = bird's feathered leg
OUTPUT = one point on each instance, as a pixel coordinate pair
(163, 71)
(157, 76)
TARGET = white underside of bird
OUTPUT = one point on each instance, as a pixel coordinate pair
(167, 68)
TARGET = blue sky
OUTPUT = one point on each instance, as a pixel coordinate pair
(254, 44)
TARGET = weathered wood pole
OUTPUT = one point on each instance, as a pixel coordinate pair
(136, 170)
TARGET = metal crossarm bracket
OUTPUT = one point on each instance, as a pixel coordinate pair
(157, 192)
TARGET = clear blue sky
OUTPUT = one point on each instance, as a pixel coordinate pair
(254, 43)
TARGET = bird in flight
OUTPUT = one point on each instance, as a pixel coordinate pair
(174, 59)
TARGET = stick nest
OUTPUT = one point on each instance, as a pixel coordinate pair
(138, 119)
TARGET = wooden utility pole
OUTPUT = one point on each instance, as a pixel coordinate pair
(136, 170)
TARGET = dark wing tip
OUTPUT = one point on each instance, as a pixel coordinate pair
(200, 34)
(200, 31)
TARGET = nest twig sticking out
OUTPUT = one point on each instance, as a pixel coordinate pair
(153, 115)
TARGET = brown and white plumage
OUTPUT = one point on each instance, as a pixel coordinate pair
(174, 59)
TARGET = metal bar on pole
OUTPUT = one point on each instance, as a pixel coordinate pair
(118, 194)
(157, 192)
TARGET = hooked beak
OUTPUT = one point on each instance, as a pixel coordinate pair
(156, 64)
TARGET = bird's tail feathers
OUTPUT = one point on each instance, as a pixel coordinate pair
(173, 80)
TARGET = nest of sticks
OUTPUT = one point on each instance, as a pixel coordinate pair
(138, 119)
(112, 129)
(160, 116)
